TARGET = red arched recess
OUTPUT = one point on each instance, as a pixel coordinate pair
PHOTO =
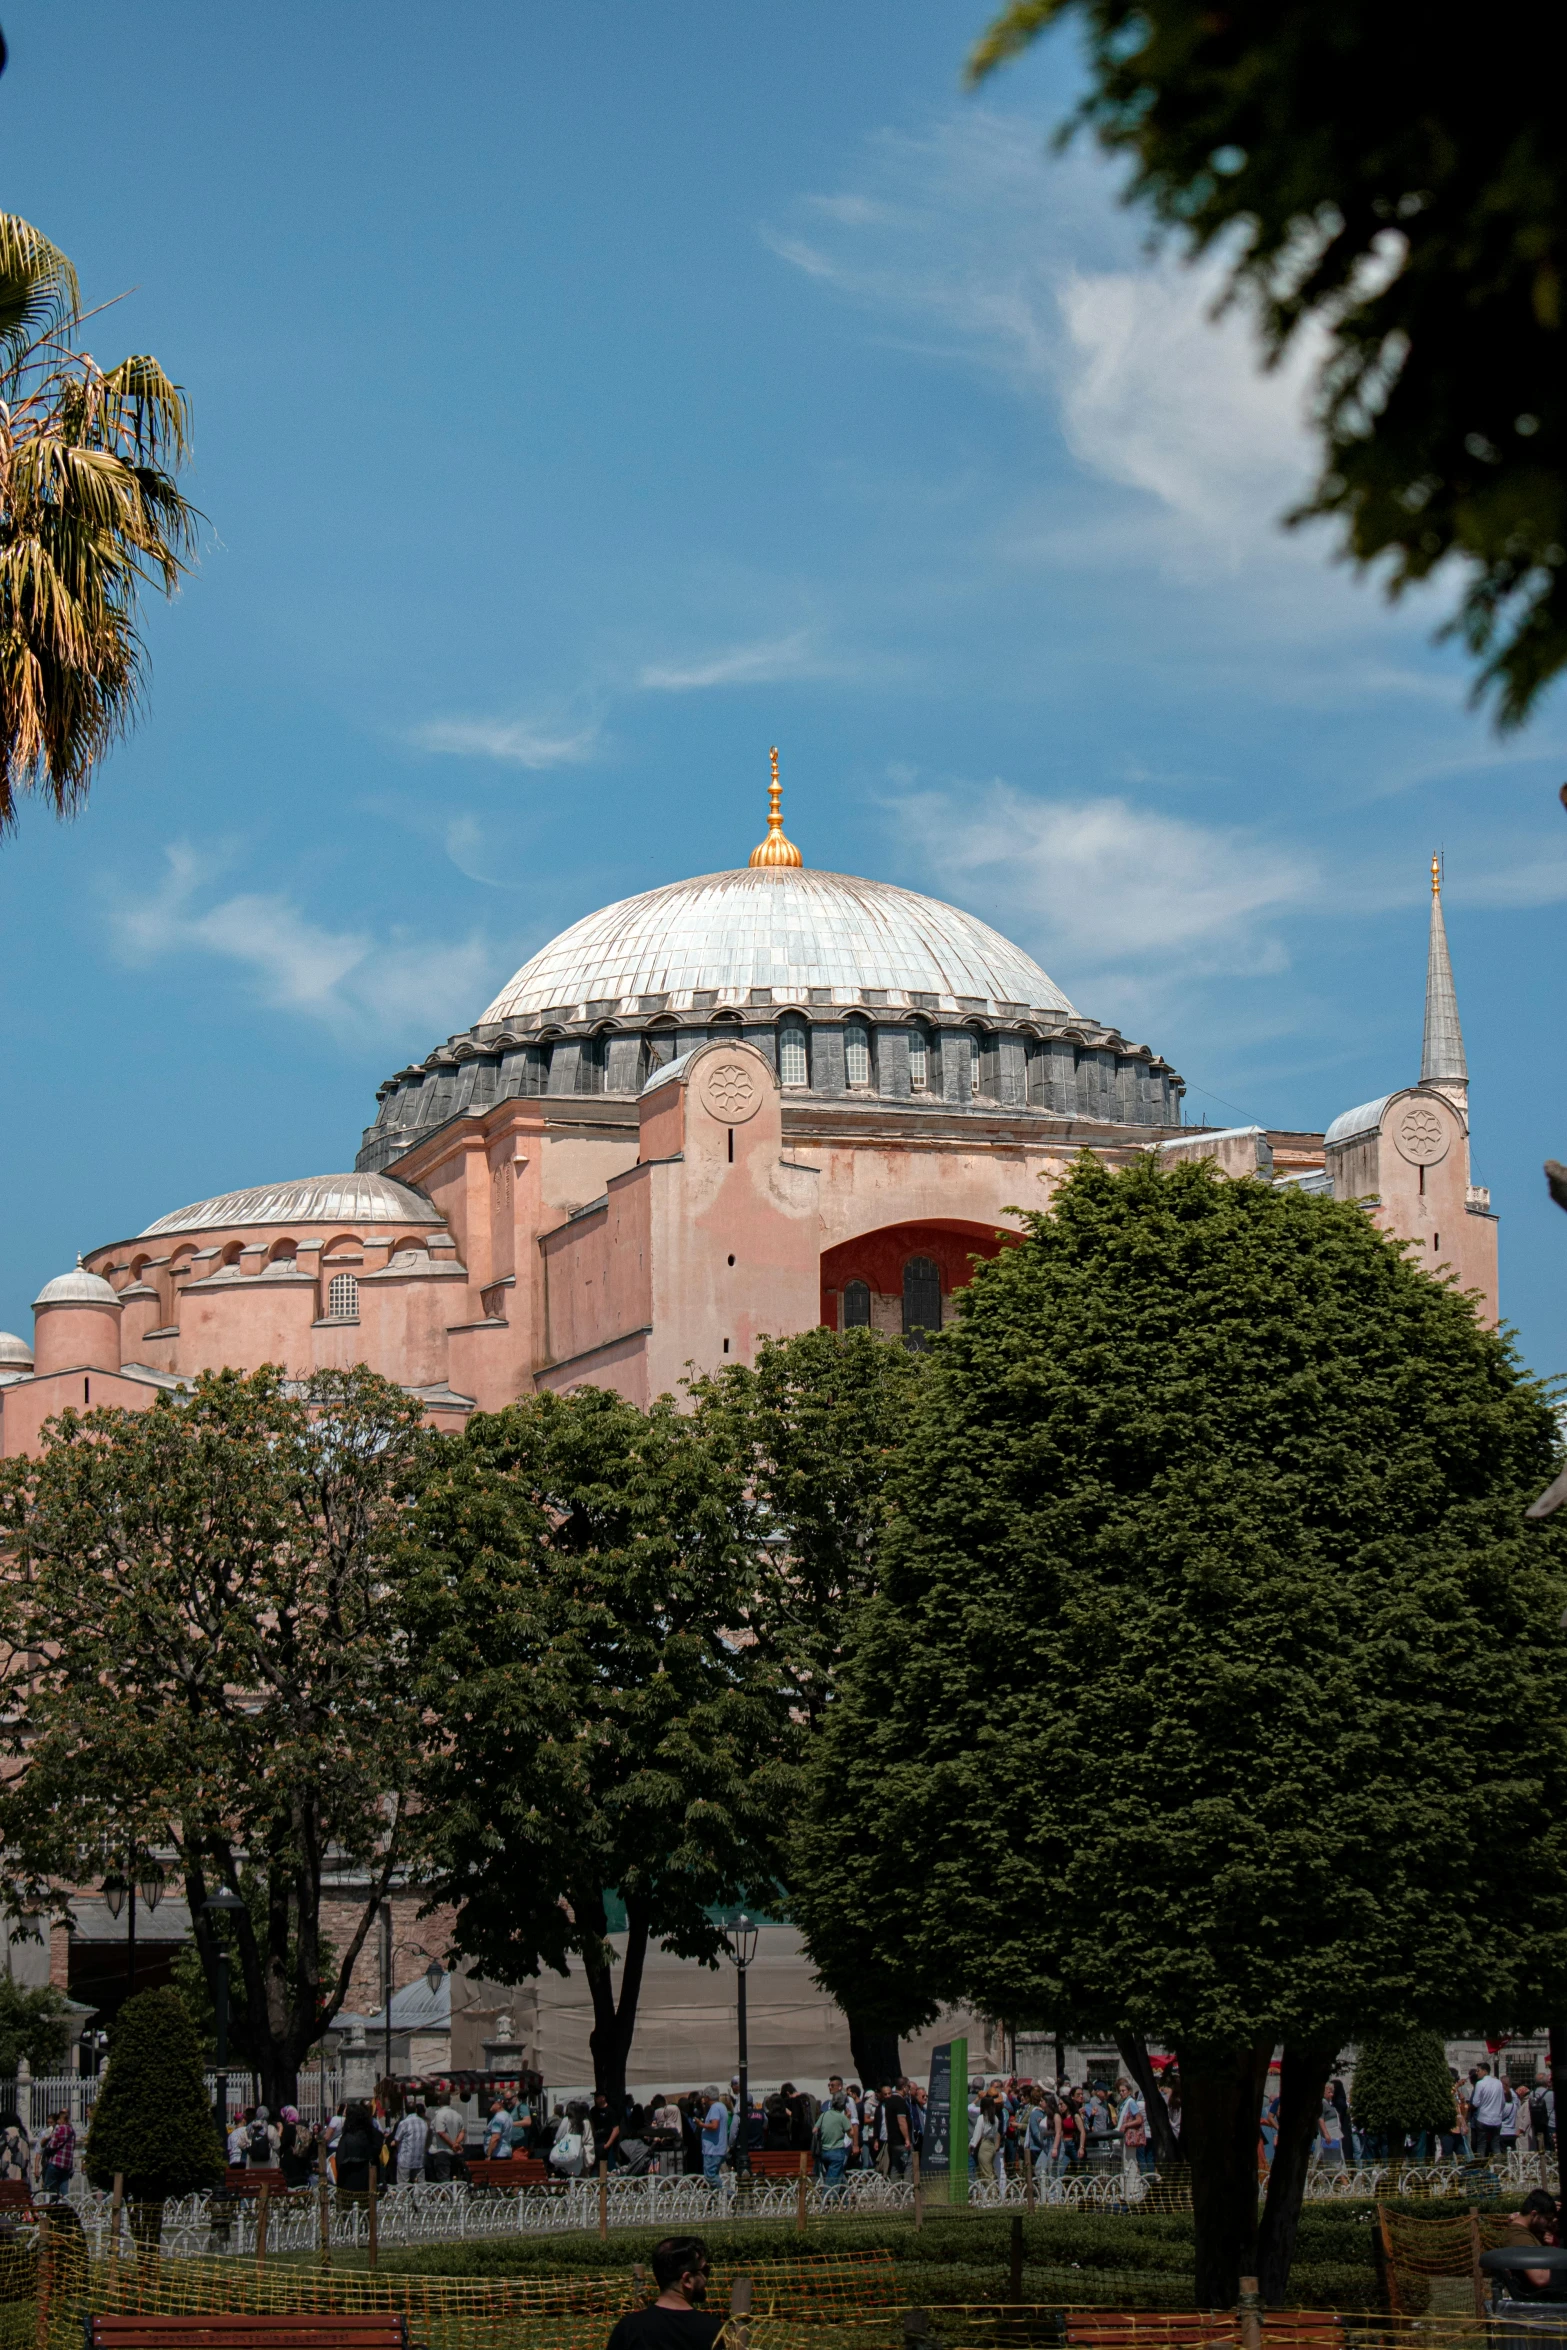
(878, 1258)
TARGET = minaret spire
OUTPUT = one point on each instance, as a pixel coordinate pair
(1442, 1061)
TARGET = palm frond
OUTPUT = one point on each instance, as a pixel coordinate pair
(38, 288)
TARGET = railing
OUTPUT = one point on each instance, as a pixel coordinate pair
(424, 2213)
(38, 2097)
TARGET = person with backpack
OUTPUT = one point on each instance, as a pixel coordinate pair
(568, 2157)
(260, 2144)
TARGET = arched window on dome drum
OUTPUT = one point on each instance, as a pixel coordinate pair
(857, 1052)
(921, 1299)
(342, 1298)
(856, 1305)
(794, 1066)
(919, 1061)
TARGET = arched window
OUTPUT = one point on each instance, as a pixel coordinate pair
(794, 1066)
(856, 1305)
(342, 1298)
(919, 1060)
(857, 1052)
(921, 1298)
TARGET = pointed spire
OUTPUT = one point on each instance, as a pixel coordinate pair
(775, 850)
(1442, 1056)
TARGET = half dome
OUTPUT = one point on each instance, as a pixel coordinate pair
(313, 1199)
(781, 928)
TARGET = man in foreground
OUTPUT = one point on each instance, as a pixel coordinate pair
(677, 2319)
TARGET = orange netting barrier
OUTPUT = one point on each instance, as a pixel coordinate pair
(1421, 2248)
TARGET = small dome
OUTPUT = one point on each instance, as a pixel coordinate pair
(1363, 1120)
(80, 1288)
(15, 1352)
(310, 1199)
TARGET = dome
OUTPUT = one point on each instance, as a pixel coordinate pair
(15, 1353)
(786, 929)
(79, 1288)
(1363, 1120)
(313, 1199)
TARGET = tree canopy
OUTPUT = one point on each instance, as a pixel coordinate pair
(814, 1429)
(1170, 1715)
(91, 513)
(1403, 202)
(198, 1636)
(1402, 2083)
(578, 1596)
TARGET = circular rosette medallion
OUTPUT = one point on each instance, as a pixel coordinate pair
(1421, 1134)
(731, 1089)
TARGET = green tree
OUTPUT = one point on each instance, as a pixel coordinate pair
(201, 1635)
(33, 2023)
(1403, 2084)
(1209, 1496)
(815, 1428)
(152, 2122)
(580, 1584)
(1403, 202)
(90, 514)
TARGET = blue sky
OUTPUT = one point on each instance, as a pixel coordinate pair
(586, 399)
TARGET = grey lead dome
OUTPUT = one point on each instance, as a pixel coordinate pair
(782, 928)
(310, 1199)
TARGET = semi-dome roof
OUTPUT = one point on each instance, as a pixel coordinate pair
(78, 1288)
(313, 1199)
(782, 928)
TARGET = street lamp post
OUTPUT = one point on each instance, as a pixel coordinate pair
(223, 1902)
(116, 1891)
(434, 1974)
(741, 1936)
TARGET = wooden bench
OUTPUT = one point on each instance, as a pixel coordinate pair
(777, 2162)
(240, 2179)
(521, 2170)
(306, 2329)
(17, 2195)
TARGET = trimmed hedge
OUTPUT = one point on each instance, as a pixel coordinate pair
(1111, 2258)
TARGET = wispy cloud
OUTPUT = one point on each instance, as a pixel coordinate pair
(1103, 886)
(514, 742)
(762, 662)
(1012, 261)
(349, 980)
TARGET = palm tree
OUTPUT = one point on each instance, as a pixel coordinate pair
(89, 514)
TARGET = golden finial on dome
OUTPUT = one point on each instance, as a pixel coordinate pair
(1436, 873)
(775, 850)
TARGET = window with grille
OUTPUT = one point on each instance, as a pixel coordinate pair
(856, 1305)
(793, 1068)
(973, 1064)
(342, 1298)
(919, 1060)
(857, 1053)
(921, 1298)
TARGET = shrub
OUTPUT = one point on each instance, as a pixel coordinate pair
(152, 2121)
(1403, 2083)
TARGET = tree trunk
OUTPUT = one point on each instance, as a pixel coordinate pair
(874, 2054)
(615, 2021)
(1304, 2069)
(1221, 2101)
(1134, 2055)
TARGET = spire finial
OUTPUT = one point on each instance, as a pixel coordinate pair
(775, 850)
(1442, 1055)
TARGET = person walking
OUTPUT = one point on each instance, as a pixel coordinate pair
(1487, 2105)
(296, 2148)
(1330, 2132)
(1133, 2123)
(411, 2139)
(448, 2139)
(984, 2140)
(358, 2150)
(1067, 2143)
(715, 2137)
(832, 2145)
(59, 2154)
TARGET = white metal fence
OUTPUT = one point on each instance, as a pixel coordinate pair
(428, 2214)
(37, 2098)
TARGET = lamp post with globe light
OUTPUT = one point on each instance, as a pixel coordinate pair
(741, 1934)
(117, 1888)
